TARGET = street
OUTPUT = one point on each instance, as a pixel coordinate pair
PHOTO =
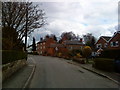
(52, 72)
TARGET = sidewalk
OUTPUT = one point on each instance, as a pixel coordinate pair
(21, 78)
(110, 75)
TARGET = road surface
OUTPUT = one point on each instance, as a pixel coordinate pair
(52, 72)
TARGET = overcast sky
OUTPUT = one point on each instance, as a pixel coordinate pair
(98, 17)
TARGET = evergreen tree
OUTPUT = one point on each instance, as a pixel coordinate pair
(55, 38)
(34, 45)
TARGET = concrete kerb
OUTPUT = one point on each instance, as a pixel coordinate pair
(30, 77)
(101, 74)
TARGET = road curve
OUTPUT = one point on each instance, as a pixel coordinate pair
(52, 72)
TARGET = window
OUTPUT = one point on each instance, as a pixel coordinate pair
(44, 43)
(41, 52)
(111, 44)
(117, 43)
(105, 45)
(99, 45)
(37, 47)
(41, 47)
(114, 44)
(44, 47)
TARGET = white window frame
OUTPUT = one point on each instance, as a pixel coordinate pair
(117, 43)
(111, 44)
(99, 45)
(41, 52)
(105, 45)
(41, 47)
(44, 47)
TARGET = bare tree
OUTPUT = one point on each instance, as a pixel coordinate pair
(14, 16)
(90, 40)
(68, 36)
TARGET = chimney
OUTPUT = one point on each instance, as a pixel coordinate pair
(41, 39)
(81, 40)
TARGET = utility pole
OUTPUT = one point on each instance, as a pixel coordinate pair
(26, 29)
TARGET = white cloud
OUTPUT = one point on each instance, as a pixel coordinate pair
(81, 17)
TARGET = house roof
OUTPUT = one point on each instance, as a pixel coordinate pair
(73, 42)
(56, 45)
(40, 41)
(106, 38)
(118, 32)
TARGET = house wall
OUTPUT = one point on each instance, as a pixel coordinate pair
(51, 51)
(102, 43)
(38, 50)
(71, 47)
(43, 47)
(114, 43)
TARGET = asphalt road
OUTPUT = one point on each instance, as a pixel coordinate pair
(52, 72)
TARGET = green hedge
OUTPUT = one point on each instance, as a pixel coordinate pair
(104, 64)
(10, 56)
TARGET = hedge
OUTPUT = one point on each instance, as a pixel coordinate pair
(104, 64)
(10, 56)
(110, 54)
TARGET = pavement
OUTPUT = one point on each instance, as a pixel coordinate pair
(22, 77)
(110, 75)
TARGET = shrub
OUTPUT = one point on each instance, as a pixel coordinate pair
(110, 54)
(59, 54)
(78, 55)
(104, 64)
(10, 56)
(74, 52)
(86, 52)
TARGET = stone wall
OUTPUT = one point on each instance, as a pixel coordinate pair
(10, 68)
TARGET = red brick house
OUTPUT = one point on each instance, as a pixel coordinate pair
(57, 48)
(102, 42)
(114, 42)
(73, 44)
(43, 45)
(105, 42)
(49, 46)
